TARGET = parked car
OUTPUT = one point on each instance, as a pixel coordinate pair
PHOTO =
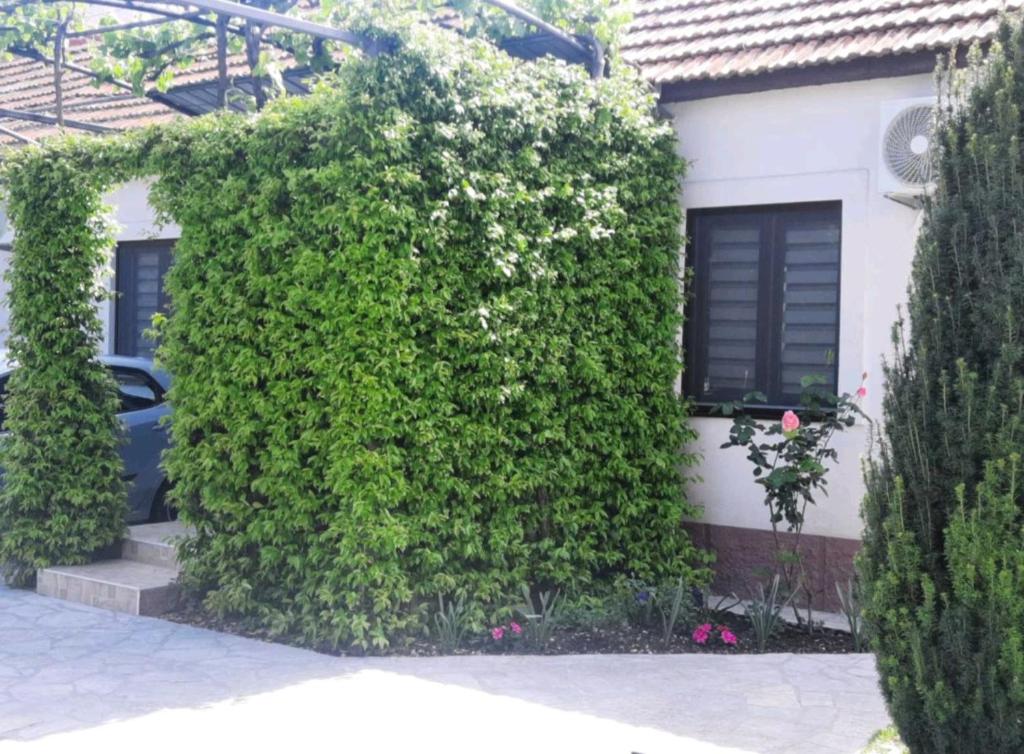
(142, 389)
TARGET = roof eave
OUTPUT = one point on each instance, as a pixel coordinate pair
(858, 69)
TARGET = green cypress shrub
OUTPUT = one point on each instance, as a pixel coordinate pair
(424, 342)
(943, 558)
(62, 496)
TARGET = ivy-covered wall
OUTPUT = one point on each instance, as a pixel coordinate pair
(423, 340)
(62, 497)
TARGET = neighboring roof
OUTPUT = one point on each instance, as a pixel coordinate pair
(691, 48)
(677, 41)
(27, 85)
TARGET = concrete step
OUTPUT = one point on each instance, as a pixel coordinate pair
(126, 586)
(155, 544)
(142, 582)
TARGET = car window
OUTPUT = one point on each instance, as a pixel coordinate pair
(137, 390)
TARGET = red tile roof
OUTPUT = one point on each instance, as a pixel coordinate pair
(672, 41)
(28, 85)
(690, 40)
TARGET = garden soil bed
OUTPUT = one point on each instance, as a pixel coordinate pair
(624, 639)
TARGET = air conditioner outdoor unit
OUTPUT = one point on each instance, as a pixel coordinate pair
(905, 151)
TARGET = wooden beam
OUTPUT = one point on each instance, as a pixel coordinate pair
(540, 23)
(58, 71)
(127, 26)
(592, 51)
(164, 16)
(278, 20)
(195, 18)
(597, 63)
(50, 120)
(222, 61)
(31, 54)
(105, 79)
(19, 137)
(11, 7)
(171, 47)
(162, 12)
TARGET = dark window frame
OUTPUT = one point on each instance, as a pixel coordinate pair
(770, 305)
(125, 265)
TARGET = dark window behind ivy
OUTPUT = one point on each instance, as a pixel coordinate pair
(141, 266)
(763, 310)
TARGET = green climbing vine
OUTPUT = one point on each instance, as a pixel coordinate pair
(423, 339)
(62, 497)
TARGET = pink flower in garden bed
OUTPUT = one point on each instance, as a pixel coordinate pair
(703, 632)
(790, 422)
(497, 633)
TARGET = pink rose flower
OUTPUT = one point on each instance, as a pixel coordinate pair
(862, 391)
(729, 637)
(790, 422)
(701, 633)
(516, 628)
(497, 633)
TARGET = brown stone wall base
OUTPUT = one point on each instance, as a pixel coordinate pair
(746, 557)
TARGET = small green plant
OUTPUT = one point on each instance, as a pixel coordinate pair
(591, 611)
(765, 611)
(451, 623)
(886, 741)
(541, 617)
(712, 609)
(674, 601)
(849, 602)
(637, 599)
(789, 459)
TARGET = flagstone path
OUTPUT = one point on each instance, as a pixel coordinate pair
(75, 678)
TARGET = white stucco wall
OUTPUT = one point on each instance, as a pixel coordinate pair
(799, 145)
(792, 145)
(134, 220)
(6, 236)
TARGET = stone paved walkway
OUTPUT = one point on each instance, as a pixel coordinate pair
(74, 678)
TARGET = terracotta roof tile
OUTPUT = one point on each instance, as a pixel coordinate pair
(689, 40)
(28, 85)
(670, 40)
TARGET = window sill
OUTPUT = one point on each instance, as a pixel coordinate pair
(755, 410)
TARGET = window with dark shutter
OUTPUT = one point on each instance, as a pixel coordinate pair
(732, 302)
(763, 311)
(139, 277)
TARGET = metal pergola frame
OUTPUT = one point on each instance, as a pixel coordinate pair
(589, 49)
(6, 112)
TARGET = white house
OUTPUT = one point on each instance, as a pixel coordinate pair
(802, 123)
(801, 226)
